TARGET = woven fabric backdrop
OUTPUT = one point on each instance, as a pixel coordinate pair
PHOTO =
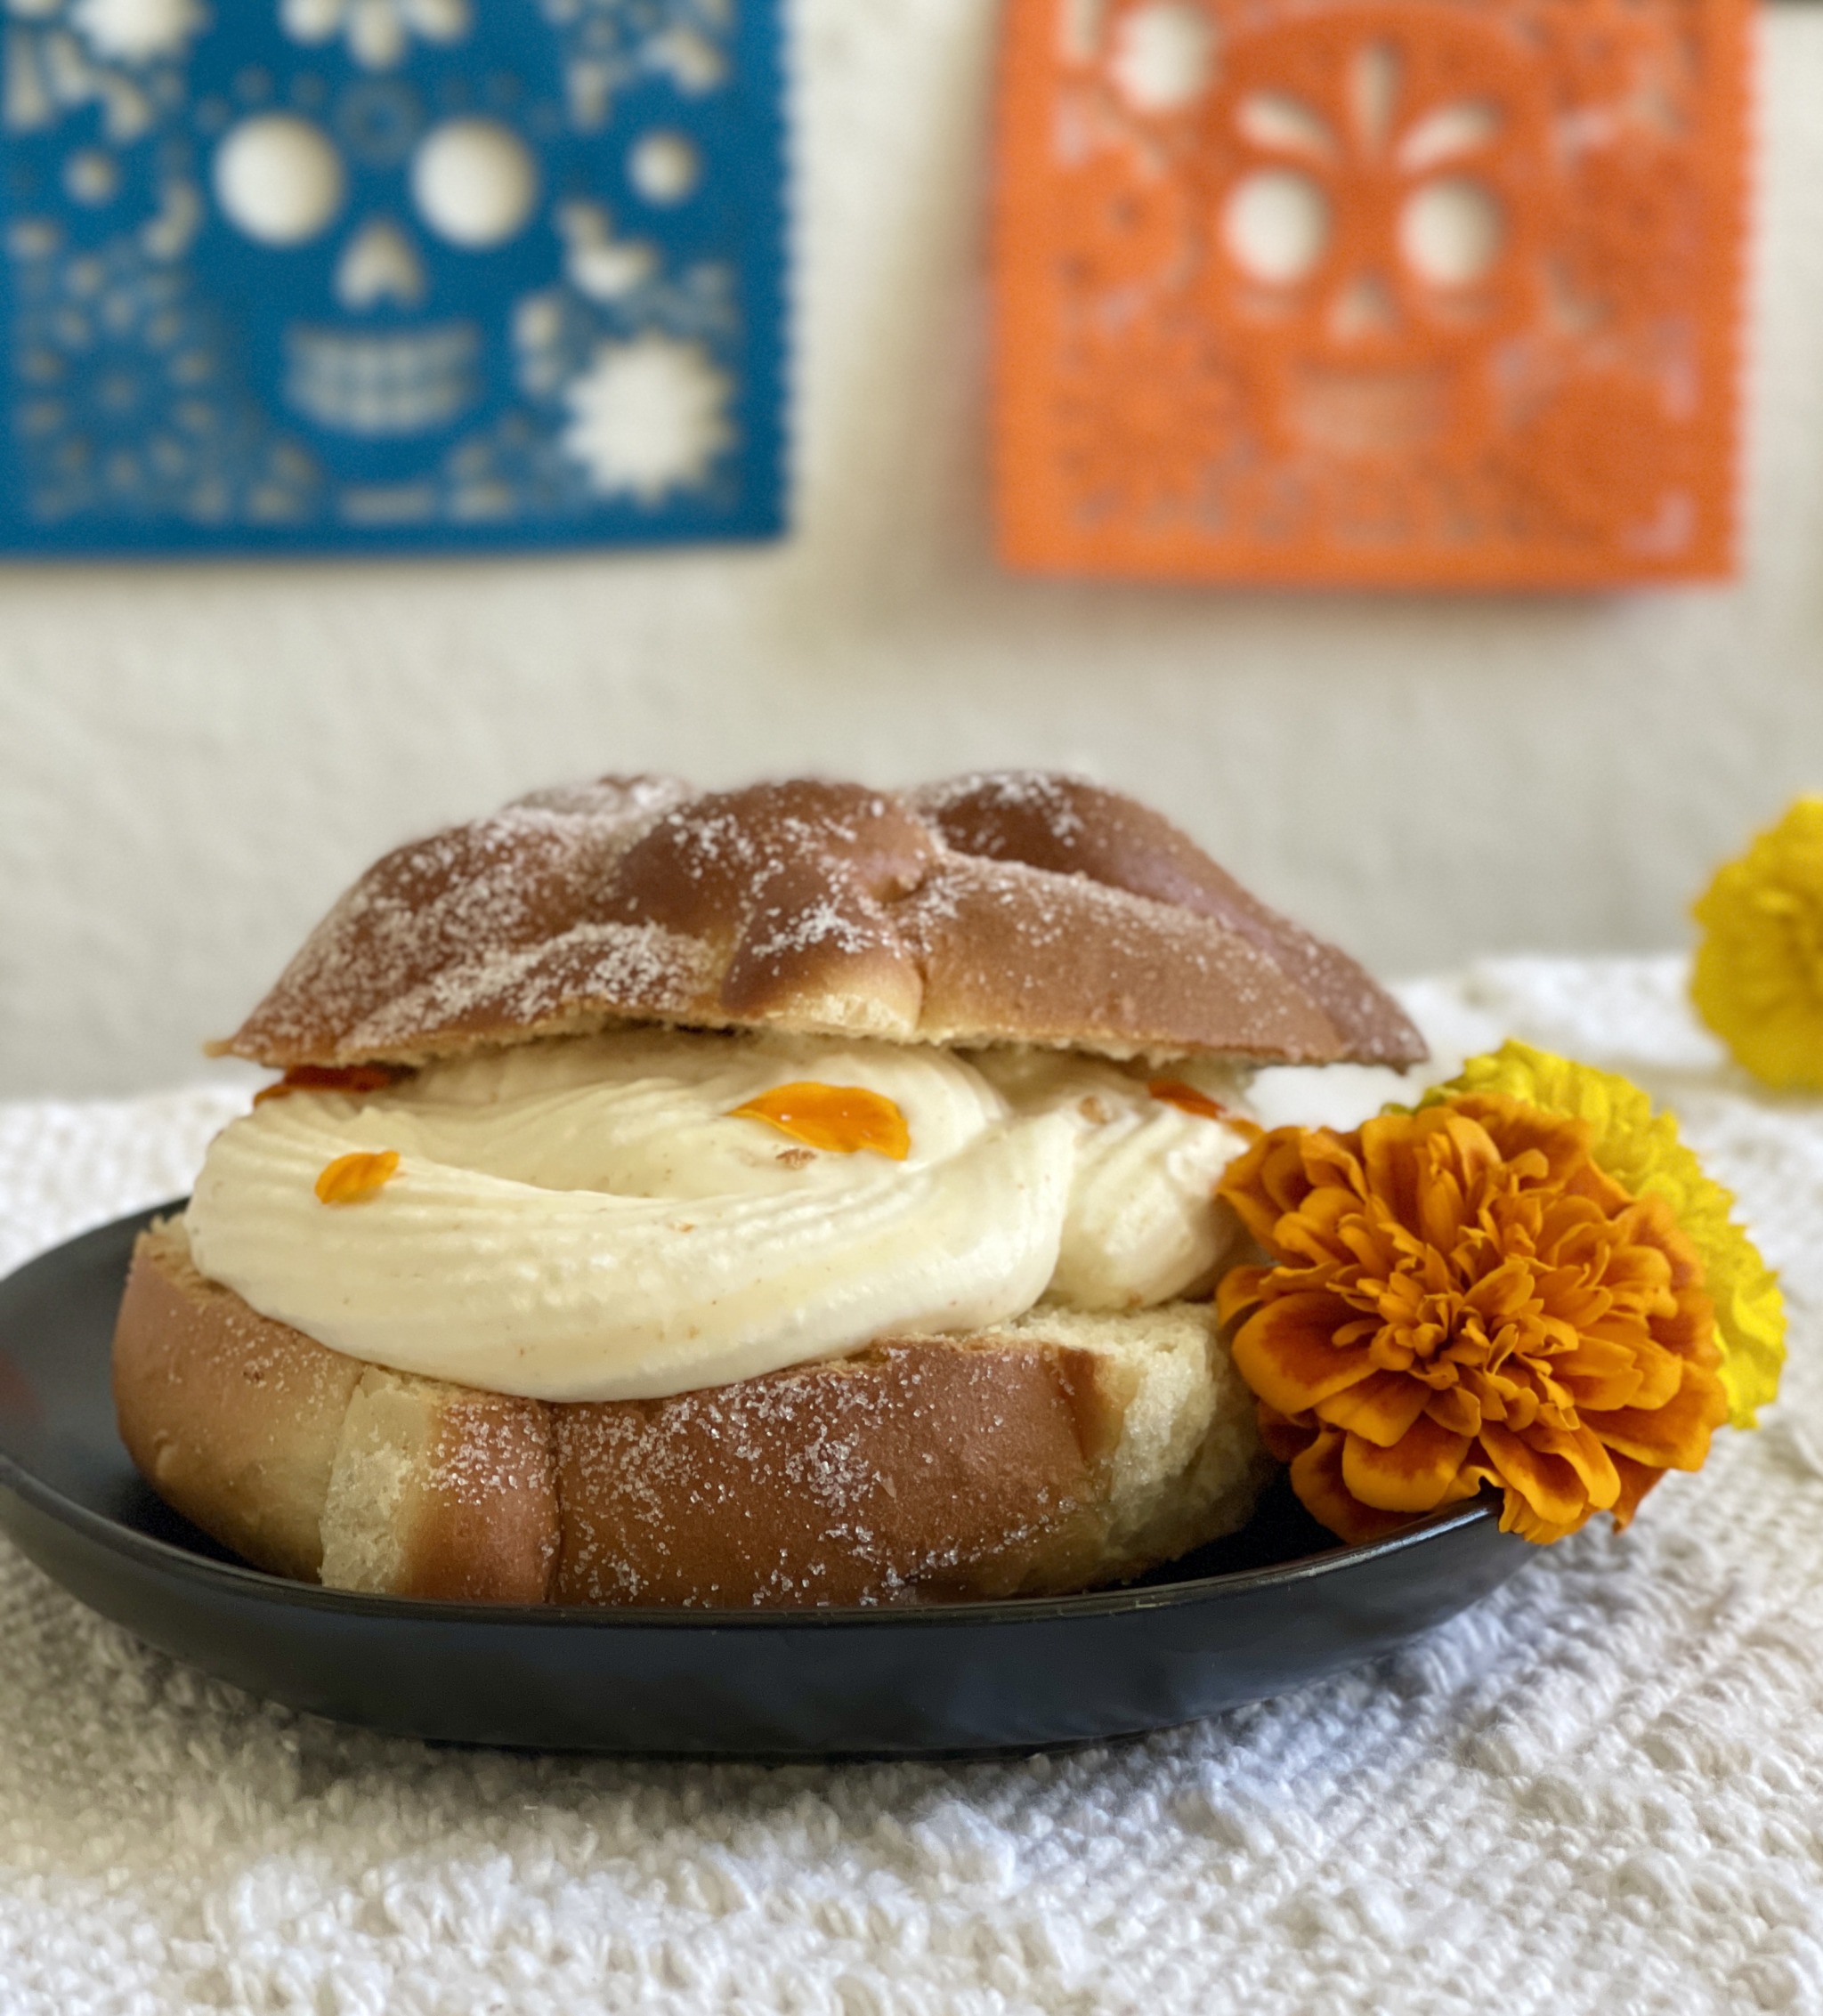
(1600, 1791)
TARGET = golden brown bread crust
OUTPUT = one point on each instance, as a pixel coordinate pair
(912, 1470)
(221, 1409)
(440, 1491)
(1017, 907)
(922, 1470)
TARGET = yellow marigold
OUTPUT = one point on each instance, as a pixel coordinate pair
(1459, 1297)
(1641, 1150)
(1758, 979)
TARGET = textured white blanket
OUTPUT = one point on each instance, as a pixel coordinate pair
(1600, 1791)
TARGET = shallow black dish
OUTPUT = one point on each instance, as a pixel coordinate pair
(1272, 1608)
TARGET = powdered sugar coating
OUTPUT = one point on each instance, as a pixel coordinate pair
(1001, 907)
(887, 1479)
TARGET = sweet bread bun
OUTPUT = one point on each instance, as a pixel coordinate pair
(1020, 907)
(1059, 1452)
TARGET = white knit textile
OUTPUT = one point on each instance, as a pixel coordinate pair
(1601, 1790)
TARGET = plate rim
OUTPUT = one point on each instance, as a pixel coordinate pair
(169, 1557)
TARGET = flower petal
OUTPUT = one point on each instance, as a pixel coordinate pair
(1586, 1455)
(1316, 1477)
(1285, 1352)
(1636, 1480)
(1268, 1182)
(1551, 1483)
(1605, 1372)
(1285, 1439)
(1456, 1409)
(1518, 1517)
(1674, 1437)
(1239, 1291)
(1415, 1476)
(1381, 1409)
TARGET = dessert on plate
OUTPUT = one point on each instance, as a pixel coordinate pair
(795, 1195)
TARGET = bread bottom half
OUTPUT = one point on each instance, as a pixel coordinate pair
(1061, 1452)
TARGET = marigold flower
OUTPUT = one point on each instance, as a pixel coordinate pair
(1758, 978)
(1641, 1150)
(1461, 1296)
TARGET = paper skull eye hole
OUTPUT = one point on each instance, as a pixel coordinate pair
(1277, 225)
(1451, 232)
(1163, 55)
(280, 179)
(130, 31)
(474, 182)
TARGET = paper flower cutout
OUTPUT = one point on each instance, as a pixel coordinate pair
(1462, 1297)
(378, 32)
(647, 417)
(1758, 979)
(1641, 1150)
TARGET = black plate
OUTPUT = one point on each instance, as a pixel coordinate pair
(1271, 1608)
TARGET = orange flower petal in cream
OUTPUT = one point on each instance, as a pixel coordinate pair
(1462, 1297)
(842, 1119)
(1187, 1098)
(329, 1078)
(353, 1179)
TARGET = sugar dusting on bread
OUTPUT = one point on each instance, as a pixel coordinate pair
(1001, 907)
(794, 1488)
(1057, 1452)
(461, 924)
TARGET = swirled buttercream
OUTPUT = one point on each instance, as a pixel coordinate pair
(589, 1220)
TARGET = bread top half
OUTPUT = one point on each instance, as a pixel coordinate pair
(1017, 907)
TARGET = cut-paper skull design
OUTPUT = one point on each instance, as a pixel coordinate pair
(431, 271)
(1362, 290)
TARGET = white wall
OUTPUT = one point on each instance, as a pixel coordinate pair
(193, 760)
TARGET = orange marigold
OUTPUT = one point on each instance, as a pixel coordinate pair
(1461, 1297)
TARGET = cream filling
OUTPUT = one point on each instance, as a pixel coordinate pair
(586, 1220)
